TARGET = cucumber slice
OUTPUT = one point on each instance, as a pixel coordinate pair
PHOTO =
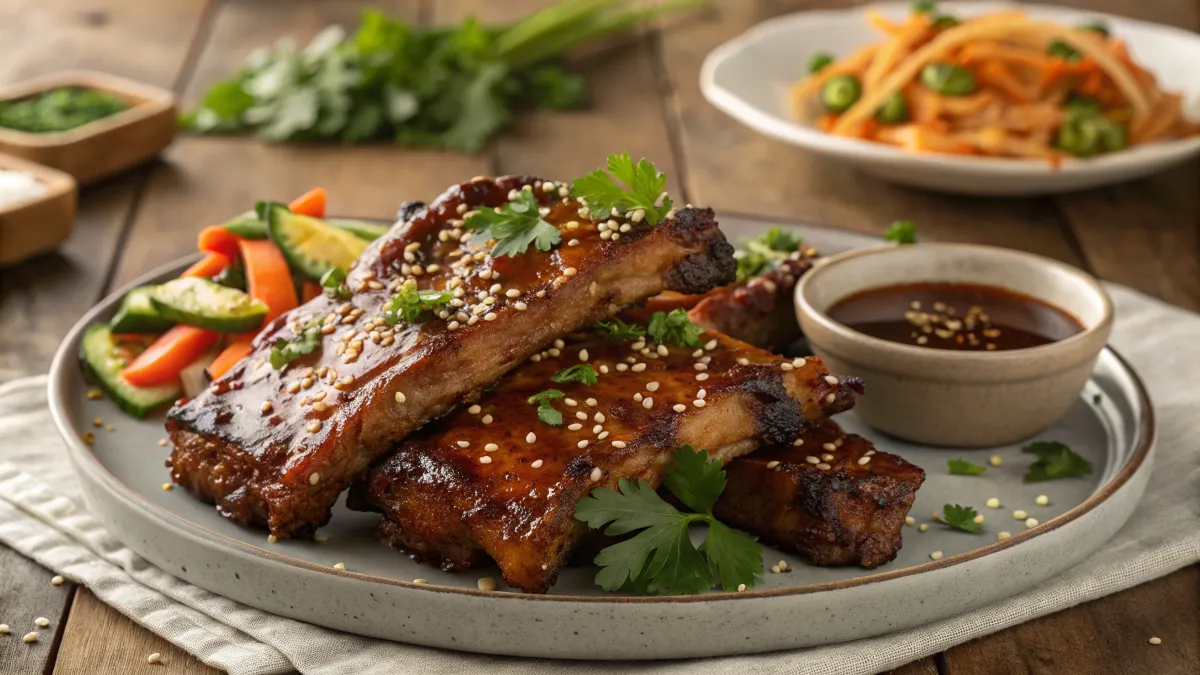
(247, 226)
(198, 302)
(360, 228)
(138, 315)
(312, 247)
(104, 359)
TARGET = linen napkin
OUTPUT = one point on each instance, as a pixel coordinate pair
(42, 516)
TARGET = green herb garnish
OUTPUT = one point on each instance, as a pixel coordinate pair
(580, 372)
(674, 327)
(660, 559)
(1097, 399)
(922, 7)
(961, 467)
(1087, 132)
(1054, 461)
(333, 284)
(1064, 51)
(901, 232)
(818, 61)
(763, 253)
(1095, 27)
(408, 303)
(643, 189)
(431, 87)
(545, 410)
(945, 21)
(960, 518)
(286, 351)
(616, 329)
(515, 226)
(60, 109)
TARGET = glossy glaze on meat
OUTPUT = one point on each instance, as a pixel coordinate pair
(758, 311)
(278, 447)
(833, 499)
(496, 481)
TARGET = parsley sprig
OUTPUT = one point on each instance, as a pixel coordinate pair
(660, 559)
(545, 410)
(333, 284)
(960, 518)
(643, 189)
(961, 467)
(901, 232)
(674, 327)
(408, 303)
(515, 226)
(616, 329)
(580, 372)
(761, 254)
(1054, 461)
(286, 351)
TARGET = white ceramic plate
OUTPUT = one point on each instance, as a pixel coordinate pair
(123, 472)
(749, 78)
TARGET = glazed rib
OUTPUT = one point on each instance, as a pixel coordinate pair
(278, 447)
(493, 480)
(822, 499)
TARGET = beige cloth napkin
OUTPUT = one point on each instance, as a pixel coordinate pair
(41, 515)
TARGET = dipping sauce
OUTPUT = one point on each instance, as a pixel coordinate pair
(954, 316)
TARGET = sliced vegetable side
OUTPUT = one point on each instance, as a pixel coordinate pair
(103, 357)
(138, 314)
(312, 246)
(206, 304)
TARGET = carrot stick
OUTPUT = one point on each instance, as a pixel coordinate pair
(217, 239)
(311, 203)
(173, 351)
(267, 276)
(228, 358)
(309, 290)
(209, 266)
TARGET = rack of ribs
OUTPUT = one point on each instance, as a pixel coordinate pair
(829, 496)
(493, 480)
(277, 447)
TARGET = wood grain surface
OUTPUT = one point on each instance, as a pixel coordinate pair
(644, 98)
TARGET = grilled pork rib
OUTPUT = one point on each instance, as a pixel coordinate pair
(494, 480)
(278, 447)
(833, 499)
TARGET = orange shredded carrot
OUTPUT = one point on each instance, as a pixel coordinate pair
(311, 203)
(217, 239)
(209, 266)
(228, 358)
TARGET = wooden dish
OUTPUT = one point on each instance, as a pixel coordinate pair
(104, 147)
(36, 225)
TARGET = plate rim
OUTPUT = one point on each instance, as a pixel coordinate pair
(794, 133)
(66, 359)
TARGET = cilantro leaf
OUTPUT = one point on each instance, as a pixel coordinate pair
(961, 467)
(580, 372)
(616, 329)
(761, 254)
(333, 284)
(286, 351)
(643, 189)
(675, 327)
(409, 304)
(960, 518)
(515, 226)
(695, 480)
(902, 232)
(545, 411)
(661, 558)
(1097, 399)
(1054, 461)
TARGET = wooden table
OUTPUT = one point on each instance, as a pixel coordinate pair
(646, 101)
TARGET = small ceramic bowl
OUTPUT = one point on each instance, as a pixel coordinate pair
(957, 398)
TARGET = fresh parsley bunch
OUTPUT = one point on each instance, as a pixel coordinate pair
(660, 558)
(439, 87)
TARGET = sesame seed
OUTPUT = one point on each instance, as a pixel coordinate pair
(1002, 535)
(812, 460)
(862, 461)
(993, 503)
(580, 415)
(823, 466)
(486, 419)
(419, 581)
(652, 386)
(30, 637)
(520, 306)
(575, 426)
(573, 242)
(1155, 641)
(1020, 515)
(772, 464)
(700, 366)
(271, 539)
(571, 402)
(453, 325)
(530, 437)
(167, 487)
(320, 538)
(783, 566)
(602, 435)
(936, 555)
(491, 447)
(314, 479)
(798, 442)
(400, 397)
(638, 367)
(774, 569)
(265, 408)
(679, 407)
(1031, 523)
(741, 587)
(743, 361)
(830, 398)
(700, 377)
(596, 474)
(978, 519)
(662, 350)
(464, 444)
(339, 566)
(569, 272)
(486, 459)
(909, 520)
(154, 658)
(621, 367)
(582, 444)
(829, 446)
(599, 417)
(57, 580)
(42, 621)
(787, 366)
(475, 410)
(512, 293)
(490, 316)
(826, 457)
(162, 442)
(94, 394)
(648, 403)
(699, 403)
(702, 393)
(486, 584)
(995, 460)
(923, 527)
(618, 444)
(1042, 500)
(583, 355)
(711, 344)
(313, 426)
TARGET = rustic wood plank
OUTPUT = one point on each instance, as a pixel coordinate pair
(1106, 636)
(26, 594)
(99, 639)
(925, 666)
(206, 180)
(730, 167)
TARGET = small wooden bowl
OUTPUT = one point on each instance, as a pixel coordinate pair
(104, 147)
(37, 225)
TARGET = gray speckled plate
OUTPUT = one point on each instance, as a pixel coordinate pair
(123, 474)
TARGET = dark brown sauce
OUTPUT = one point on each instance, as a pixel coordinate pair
(960, 317)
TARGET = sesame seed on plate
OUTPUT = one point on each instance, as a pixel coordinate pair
(1031, 523)
(993, 503)
(1002, 535)
(1155, 641)
(271, 539)
(741, 587)
(618, 444)
(1020, 515)
(978, 519)
(154, 658)
(418, 581)
(1042, 500)
(772, 464)
(923, 527)
(167, 487)
(995, 460)
(42, 621)
(679, 407)
(537, 464)
(530, 437)
(30, 637)
(936, 555)
(162, 442)
(596, 474)
(910, 521)
(57, 580)
(775, 569)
